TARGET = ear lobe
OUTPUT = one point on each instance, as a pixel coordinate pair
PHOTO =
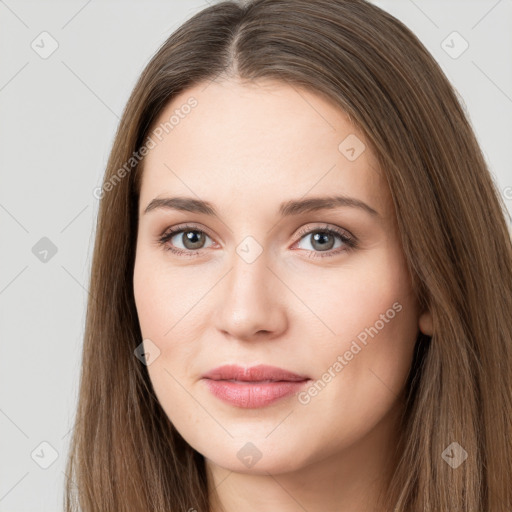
(425, 323)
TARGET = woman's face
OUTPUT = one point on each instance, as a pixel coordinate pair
(257, 279)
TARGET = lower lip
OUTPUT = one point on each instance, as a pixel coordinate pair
(252, 395)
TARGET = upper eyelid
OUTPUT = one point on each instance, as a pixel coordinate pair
(179, 228)
(308, 229)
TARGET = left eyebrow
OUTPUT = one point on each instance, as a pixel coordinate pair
(296, 207)
(286, 209)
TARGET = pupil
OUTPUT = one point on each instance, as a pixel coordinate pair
(322, 237)
(193, 238)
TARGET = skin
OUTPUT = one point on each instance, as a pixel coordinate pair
(247, 147)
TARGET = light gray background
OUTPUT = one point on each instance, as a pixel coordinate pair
(58, 118)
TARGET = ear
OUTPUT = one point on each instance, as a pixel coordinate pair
(425, 323)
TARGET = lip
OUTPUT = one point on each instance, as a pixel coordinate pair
(253, 387)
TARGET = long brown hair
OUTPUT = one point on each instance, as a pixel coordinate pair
(125, 454)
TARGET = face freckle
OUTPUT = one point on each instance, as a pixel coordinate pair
(255, 295)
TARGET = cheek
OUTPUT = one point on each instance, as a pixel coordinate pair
(162, 318)
(371, 373)
(165, 297)
(364, 366)
(349, 299)
(169, 310)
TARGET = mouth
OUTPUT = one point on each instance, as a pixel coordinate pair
(253, 387)
(259, 373)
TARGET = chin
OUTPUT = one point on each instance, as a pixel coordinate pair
(257, 457)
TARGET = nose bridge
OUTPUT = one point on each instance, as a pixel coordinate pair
(248, 272)
(249, 266)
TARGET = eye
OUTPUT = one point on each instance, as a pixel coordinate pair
(191, 238)
(323, 239)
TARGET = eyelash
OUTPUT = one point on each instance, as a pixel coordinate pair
(349, 241)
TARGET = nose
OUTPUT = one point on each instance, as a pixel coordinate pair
(251, 302)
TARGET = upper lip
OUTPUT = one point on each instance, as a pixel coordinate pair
(257, 373)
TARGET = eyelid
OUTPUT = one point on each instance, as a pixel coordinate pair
(185, 227)
(308, 229)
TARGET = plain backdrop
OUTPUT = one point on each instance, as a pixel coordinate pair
(66, 71)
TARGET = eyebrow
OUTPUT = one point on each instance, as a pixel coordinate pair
(286, 209)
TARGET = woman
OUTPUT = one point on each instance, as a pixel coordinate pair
(302, 282)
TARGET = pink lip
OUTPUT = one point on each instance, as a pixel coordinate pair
(253, 387)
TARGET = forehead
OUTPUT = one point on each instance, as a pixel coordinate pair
(259, 140)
